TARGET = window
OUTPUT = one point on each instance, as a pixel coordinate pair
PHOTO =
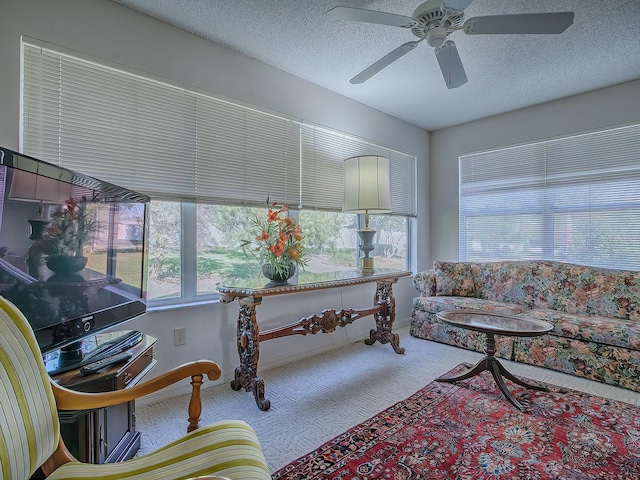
(164, 276)
(330, 238)
(573, 199)
(205, 162)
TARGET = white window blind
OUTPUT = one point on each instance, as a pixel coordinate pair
(573, 199)
(244, 155)
(175, 144)
(108, 124)
(165, 141)
(324, 151)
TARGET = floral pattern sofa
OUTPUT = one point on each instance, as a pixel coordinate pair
(595, 313)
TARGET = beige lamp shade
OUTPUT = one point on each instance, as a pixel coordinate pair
(366, 185)
(30, 187)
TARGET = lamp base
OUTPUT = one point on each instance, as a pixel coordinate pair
(38, 226)
(366, 265)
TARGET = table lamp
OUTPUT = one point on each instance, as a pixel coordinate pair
(366, 190)
(29, 187)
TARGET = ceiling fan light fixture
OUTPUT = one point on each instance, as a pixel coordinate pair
(437, 36)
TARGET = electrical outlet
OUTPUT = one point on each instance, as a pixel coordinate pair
(179, 336)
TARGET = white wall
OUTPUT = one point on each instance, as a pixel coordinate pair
(594, 110)
(108, 31)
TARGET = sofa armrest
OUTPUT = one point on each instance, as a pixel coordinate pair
(425, 283)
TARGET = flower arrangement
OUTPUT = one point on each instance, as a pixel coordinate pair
(277, 241)
(70, 228)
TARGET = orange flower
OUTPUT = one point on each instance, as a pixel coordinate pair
(71, 226)
(294, 253)
(54, 229)
(297, 233)
(273, 215)
(72, 205)
(277, 238)
(278, 248)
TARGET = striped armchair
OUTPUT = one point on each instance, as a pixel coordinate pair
(30, 429)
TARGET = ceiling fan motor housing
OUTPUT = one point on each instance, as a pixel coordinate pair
(430, 22)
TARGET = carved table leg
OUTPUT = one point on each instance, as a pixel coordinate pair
(249, 352)
(491, 364)
(385, 317)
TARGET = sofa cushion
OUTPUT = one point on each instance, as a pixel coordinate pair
(438, 304)
(583, 290)
(603, 363)
(526, 283)
(454, 279)
(425, 283)
(592, 328)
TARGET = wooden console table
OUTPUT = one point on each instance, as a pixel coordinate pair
(250, 292)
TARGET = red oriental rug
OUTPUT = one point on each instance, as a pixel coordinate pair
(470, 431)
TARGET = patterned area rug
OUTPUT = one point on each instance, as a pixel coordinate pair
(470, 431)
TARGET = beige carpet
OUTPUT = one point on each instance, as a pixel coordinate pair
(320, 397)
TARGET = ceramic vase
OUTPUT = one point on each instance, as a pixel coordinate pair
(269, 271)
(66, 264)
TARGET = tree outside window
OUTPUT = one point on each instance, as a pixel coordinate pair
(330, 239)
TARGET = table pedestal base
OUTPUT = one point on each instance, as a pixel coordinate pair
(491, 364)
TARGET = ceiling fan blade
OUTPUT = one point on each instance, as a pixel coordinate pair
(524, 23)
(451, 65)
(385, 61)
(454, 5)
(370, 16)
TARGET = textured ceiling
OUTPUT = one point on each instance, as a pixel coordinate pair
(505, 72)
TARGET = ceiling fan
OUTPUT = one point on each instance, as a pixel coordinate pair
(435, 20)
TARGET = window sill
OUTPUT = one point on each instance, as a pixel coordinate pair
(182, 303)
